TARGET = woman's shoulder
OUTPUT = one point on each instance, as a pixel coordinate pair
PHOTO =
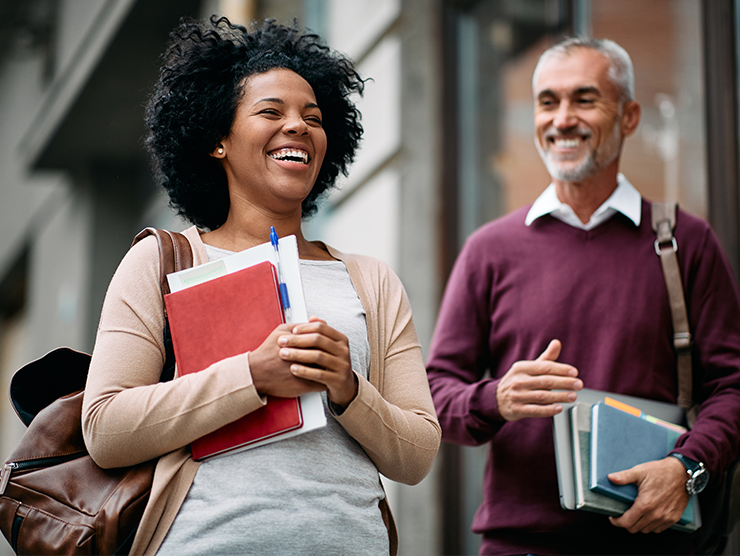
(139, 270)
(145, 252)
(135, 282)
(364, 264)
(373, 278)
(141, 259)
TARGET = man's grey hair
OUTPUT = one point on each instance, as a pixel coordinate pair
(621, 72)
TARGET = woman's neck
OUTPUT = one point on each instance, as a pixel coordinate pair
(238, 234)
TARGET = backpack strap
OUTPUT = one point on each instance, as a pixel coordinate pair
(175, 254)
(663, 222)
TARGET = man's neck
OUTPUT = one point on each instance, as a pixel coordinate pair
(585, 196)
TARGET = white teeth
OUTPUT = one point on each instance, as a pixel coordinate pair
(567, 143)
(296, 155)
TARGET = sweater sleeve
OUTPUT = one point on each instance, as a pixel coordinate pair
(459, 355)
(128, 416)
(395, 422)
(713, 304)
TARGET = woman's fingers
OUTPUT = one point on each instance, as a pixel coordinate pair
(316, 325)
(341, 387)
(311, 341)
(316, 335)
(271, 373)
(319, 353)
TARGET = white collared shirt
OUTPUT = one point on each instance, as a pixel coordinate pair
(625, 199)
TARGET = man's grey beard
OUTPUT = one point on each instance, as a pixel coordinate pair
(589, 165)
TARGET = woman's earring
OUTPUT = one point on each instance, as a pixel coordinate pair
(220, 151)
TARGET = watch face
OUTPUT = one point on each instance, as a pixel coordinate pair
(699, 480)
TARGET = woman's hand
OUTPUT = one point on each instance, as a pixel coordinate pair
(319, 354)
(271, 373)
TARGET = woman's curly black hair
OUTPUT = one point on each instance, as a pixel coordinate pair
(194, 102)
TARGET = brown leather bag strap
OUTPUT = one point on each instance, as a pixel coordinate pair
(175, 253)
(663, 222)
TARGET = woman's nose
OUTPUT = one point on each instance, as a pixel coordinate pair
(296, 126)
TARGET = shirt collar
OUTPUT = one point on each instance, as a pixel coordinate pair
(625, 199)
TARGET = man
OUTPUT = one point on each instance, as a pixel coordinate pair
(567, 294)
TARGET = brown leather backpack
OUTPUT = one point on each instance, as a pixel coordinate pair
(54, 499)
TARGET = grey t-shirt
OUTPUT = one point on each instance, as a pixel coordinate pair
(316, 493)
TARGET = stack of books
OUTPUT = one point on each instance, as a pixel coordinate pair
(607, 436)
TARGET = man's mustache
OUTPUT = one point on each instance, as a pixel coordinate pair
(553, 133)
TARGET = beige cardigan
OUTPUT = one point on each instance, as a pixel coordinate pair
(129, 417)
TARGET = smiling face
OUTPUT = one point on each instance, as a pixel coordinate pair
(579, 120)
(276, 145)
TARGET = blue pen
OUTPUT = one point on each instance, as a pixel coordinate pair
(281, 284)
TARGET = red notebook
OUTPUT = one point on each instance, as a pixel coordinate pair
(220, 318)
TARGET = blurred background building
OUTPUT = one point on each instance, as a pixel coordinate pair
(448, 146)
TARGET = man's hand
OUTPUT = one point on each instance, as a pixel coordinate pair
(661, 496)
(526, 390)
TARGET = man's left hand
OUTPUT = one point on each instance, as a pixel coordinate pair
(661, 495)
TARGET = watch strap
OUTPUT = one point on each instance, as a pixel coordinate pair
(690, 465)
(698, 476)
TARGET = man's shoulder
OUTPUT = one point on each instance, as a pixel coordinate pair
(509, 225)
(697, 243)
(685, 221)
(691, 222)
(496, 243)
(691, 231)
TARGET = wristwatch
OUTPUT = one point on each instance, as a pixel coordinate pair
(698, 474)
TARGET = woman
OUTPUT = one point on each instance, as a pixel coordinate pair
(247, 130)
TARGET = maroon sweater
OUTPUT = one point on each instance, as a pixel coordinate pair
(601, 292)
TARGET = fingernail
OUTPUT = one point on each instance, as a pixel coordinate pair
(284, 352)
(572, 397)
(578, 384)
(283, 340)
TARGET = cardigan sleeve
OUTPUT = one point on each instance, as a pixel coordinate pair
(393, 417)
(128, 416)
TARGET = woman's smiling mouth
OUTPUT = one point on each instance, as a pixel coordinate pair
(290, 155)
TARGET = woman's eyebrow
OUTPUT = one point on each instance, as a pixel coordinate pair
(281, 101)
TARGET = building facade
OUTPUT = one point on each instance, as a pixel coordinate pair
(448, 145)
